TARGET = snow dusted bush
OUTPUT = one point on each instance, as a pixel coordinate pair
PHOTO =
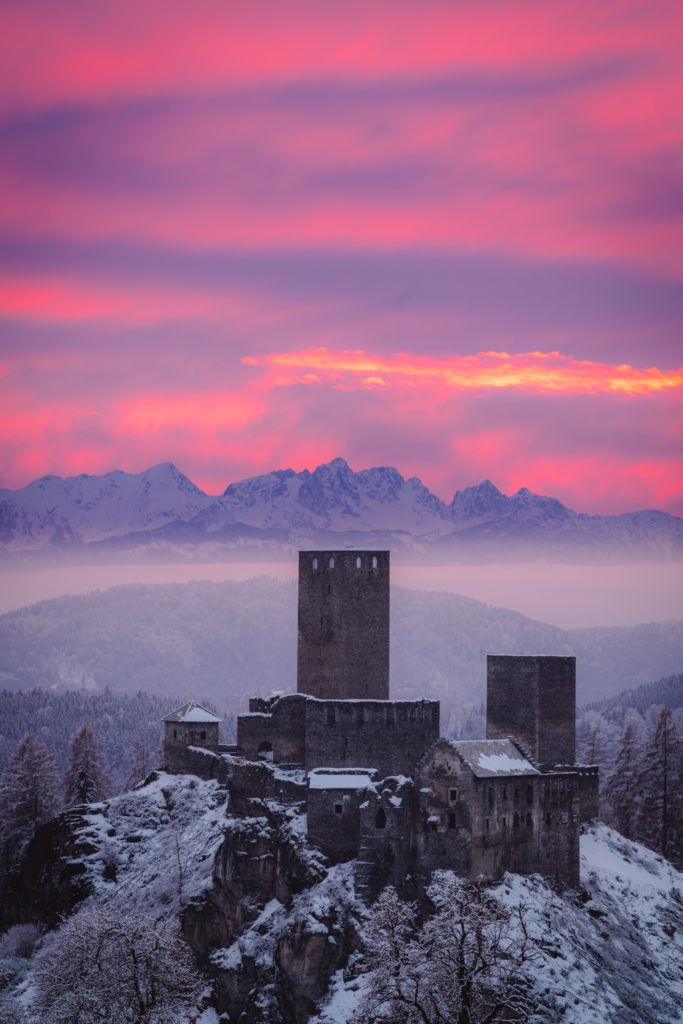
(466, 965)
(19, 941)
(107, 967)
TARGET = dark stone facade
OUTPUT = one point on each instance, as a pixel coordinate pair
(512, 802)
(533, 701)
(389, 736)
(178, 736)
(343, 647)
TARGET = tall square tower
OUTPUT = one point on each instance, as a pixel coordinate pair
(533, 700)
(343, 646)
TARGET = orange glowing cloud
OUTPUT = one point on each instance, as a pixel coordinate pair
(527, 371)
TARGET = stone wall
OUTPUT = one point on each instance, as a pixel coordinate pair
(334, 822)
(533, 701)
(559, 828)
(386, 853)
(180, 735)
(343, 645)
(390, 736)
(588, 779)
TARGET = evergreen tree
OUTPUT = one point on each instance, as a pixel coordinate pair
(29, 796)
(622, 789)
(661, 813)
(86, 780)
(139, 763)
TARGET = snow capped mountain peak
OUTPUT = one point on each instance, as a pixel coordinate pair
(331, 504)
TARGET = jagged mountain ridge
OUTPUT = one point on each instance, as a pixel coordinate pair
(161, 511)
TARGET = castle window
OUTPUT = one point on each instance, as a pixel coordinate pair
(380, 818)
(175, 734)
(529, 794)
(515, 821)
(331, 563)
(451, 819)
(504, 823)
(529, 821)
(359, 563)
(488, 824)
(375, 563)
(338, 808)
(516, 794)
(505, 793)
(189, 738)
(202, 734)
(452, 795)
(314, 563)
(491, 796)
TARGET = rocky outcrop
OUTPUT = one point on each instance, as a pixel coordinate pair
(261, 859)
(51, 879)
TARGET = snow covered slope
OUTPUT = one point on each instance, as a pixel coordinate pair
(613, 953)
(162, 511)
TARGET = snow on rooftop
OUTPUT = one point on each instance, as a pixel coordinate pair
(339, 780)
(192, 712)
(503, 764)
(494, 757)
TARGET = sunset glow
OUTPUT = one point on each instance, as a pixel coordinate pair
(443, 237)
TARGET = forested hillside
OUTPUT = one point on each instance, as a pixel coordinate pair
(117, 720)
(225, 641)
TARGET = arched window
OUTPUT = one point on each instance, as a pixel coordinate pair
(314, 563)
(331, 562)
(375, 563)
(359, 562)
(380, 818)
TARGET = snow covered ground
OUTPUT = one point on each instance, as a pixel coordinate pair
(612, 952)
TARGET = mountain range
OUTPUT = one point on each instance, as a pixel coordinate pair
(160, 513)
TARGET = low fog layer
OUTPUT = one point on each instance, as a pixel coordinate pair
(569, 596)
(227, 641)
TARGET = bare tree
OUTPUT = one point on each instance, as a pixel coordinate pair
(104, 967)
(86, 779)
(465, 965)
(29, 796)
(139, 761)
(622, 793)
(661, 809)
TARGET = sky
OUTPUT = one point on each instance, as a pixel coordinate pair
(443, 236)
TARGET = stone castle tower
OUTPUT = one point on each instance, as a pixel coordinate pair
(343, 648)
(533, 700)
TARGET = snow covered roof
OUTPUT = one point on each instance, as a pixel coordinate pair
(347, 779)
(192, 712)
(488, 758)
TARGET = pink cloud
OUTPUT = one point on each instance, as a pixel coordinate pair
(533, 371)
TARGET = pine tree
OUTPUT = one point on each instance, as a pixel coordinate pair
(29, 796)
(622, 791)
(86, 779)
(139, 763)
(661, 814)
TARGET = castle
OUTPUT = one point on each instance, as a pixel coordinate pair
(378, 782)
